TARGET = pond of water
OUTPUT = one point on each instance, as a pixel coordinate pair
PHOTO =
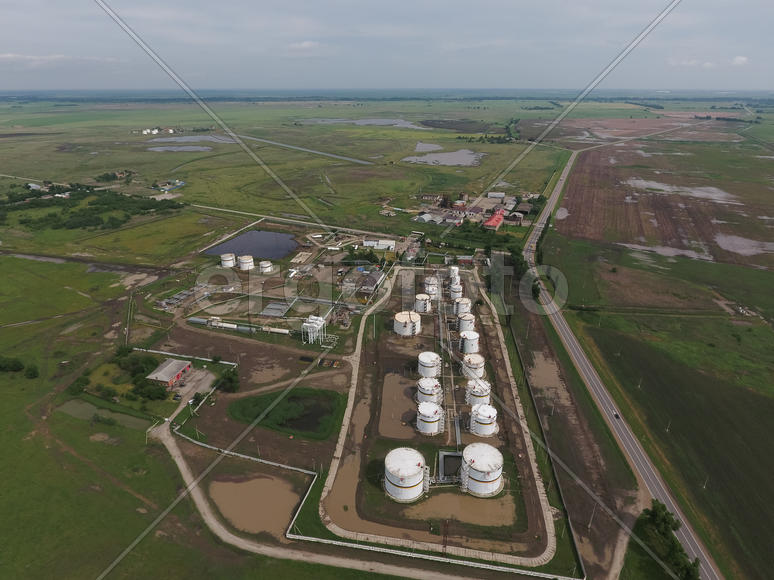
(257, 243)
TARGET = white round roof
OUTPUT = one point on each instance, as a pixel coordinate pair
(483, 457)
(227, 256)
(469, 334)
(404, 462)
(429, 357)
(428, 409)
(423, 297)
(428, 383)
(431, 280)
(485, 411)
(407, 316)
(462, 300)
(479, 386)
(466, 316)
(473, 359)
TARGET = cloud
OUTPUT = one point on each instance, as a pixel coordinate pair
(304, 45)
(740, 61)
(33, 60)
(306, 49)
(691, 63)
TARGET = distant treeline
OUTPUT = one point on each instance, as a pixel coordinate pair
(646, 105)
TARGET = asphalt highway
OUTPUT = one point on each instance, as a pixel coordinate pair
(638, 459)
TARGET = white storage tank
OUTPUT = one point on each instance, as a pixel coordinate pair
(429, 364)
(461, 306)
(468, 342)
(265, 267)
(246, 263)
(429, 418)
(466, 321)
(227, 260)
(431, 286)
(483, 420)
(429, 391)
(407, 323)
(454, 274)
(422, 303)
(405, 474)
(478, 392)
(473, 366)
(455, 291)
(482, 470)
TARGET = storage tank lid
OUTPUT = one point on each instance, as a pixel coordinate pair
(428, 409)
(466, 316)
(463, 300)
(469, 334)
(431, 280)
(485, 411)
(423, 297)
(265, 263)
(227, 256)
(483, 457)
(406, 316)
(426, 383)
(479, 385)
(429, 357)
(473, 359)
(404, 462)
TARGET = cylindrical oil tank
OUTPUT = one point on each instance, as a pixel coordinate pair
(265, 267)
(429, 390)
(429, 364)
(404, 474)
(478, 392)
(429, 418)
(454, 273)
(407, 323)
(455, 291)
(422, 303)
(227, 260)
(431, 286)
(246, 263)
(483, 420)
(466, 321)
(473, 366)
(461, 306)
(482, 470)
(468, 342)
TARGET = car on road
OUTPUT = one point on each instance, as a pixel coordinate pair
(616, 415)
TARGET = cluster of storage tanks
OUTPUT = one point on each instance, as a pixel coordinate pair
(407, 476)
(245, 263)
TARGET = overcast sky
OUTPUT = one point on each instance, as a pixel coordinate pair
(317, 44)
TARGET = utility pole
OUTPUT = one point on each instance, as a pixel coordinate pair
(706, 481)
(669, 425)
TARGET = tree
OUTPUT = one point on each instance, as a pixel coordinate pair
(31, 372)
(535, 289)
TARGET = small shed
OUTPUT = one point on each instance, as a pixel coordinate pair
(170, 372)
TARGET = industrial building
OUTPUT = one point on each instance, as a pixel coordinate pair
(170, 372)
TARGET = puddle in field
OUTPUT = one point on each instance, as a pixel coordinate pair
(461, 157)
(706, 192)
(81, 409)
(263, 504)
(180, 148)
(401, 123)
(427, 147)
(562, 213)
(743, 246)
(671, 252)
(192, 139)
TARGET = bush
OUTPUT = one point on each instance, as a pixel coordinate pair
(10, 365)
(77, 386)
(31, 372)
(229, 382)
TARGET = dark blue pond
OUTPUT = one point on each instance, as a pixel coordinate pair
(258, 243)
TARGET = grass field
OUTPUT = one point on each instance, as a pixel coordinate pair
(310, 413)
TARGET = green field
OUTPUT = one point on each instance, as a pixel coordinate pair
(309, 413)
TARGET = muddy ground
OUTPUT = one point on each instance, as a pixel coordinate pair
(576, 444)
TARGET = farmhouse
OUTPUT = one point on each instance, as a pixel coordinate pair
(495, 221)
(170, 372)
